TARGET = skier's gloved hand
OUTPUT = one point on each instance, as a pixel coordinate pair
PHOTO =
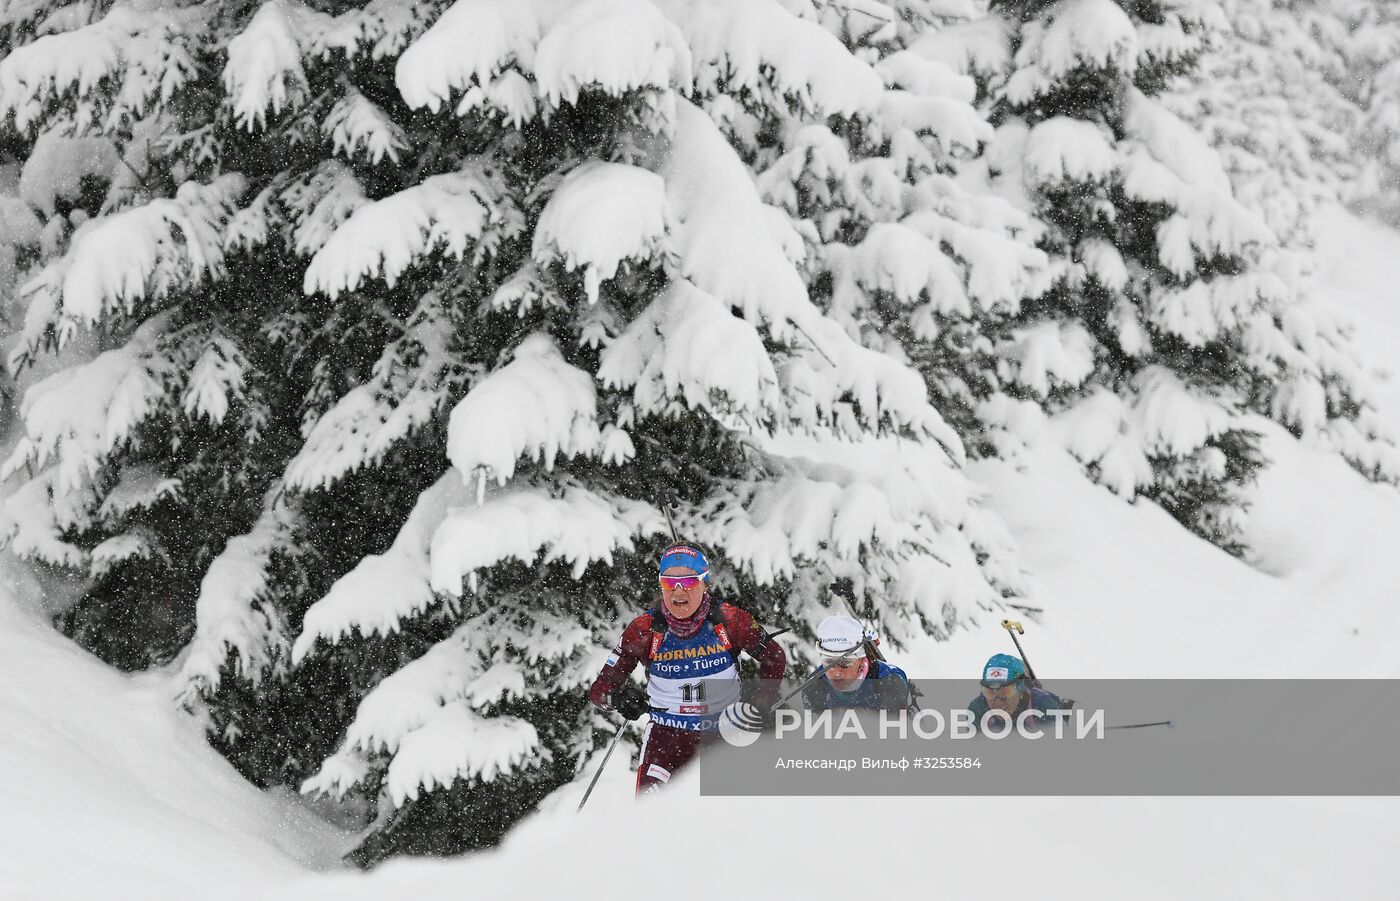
(893, 693)
(750, 717)
(631, 701)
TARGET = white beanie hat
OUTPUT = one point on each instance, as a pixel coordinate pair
(840, 636)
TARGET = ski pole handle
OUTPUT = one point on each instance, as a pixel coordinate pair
(842, 589)
(1013, 628)
(666, 500)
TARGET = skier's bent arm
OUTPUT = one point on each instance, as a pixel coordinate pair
(630, 650)
(772, 660)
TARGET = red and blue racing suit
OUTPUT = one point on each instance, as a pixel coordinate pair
(690, 681)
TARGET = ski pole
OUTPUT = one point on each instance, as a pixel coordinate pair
(666, 500)
(757, 726)
(821, 671)
(1167, 723)
(844, 590)
(1013, 628)
(611, 746)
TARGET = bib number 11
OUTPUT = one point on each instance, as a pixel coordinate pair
(693, 692)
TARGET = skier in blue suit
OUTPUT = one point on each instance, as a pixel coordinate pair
(1006, 687)
(854, 675)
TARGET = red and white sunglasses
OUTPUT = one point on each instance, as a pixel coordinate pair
(683, 583)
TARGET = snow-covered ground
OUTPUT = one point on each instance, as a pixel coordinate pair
(108, 792)
(1127, 593)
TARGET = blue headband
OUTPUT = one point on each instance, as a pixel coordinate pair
(689, 557)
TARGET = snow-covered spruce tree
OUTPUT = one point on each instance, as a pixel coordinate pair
(886, 241)
(1160, 331)
(1130, 349)
(1267, 99)
(1381, 135)
(20, 231)
(1353, 46)
(1271, 101)
(906, 257)
(404, 313)
(1374, 75)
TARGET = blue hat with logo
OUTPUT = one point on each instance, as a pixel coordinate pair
(684, 555)
(1002, 669)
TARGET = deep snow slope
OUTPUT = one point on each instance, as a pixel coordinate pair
(1126, 593)
(109, 793)
(683, 846)
(1362, 273)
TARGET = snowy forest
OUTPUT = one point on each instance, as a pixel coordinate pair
(356, 351)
